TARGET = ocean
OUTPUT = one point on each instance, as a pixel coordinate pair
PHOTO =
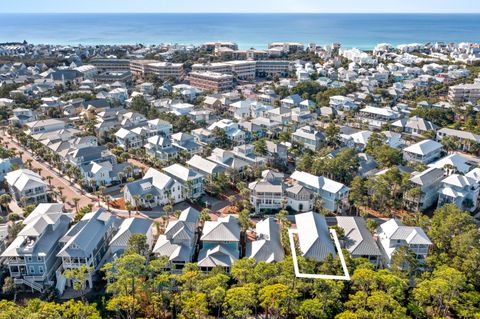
(248, 30)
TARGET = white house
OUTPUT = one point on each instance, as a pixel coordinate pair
(461, 190)
(392, 235)
(161, 187)
(423, 152)
(26, 187)
(429, 183)
(308, 137)
(231, 129)
(377, 116)
(334, 195)
(267, 193)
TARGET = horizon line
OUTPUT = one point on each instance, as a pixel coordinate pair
(221, 12)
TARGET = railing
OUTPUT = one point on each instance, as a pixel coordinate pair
(29, 283)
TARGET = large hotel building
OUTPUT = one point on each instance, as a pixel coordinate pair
(141, 68)
(211, 81)
(242, 70)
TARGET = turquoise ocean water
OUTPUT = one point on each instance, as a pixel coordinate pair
(248, 30)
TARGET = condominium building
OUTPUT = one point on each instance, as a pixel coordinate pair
(286, 47)
(111, 65)
(273, 68)
(141, 68)
(112, 77)
(464, 93)
(211, 46)
(243, 70)
(212, 81)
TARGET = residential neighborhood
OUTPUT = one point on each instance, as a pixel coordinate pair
(197, 161)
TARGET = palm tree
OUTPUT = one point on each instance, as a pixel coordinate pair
(137, 199)
(167, 209)
(129, 208)
(204, 215)
(5, 199)
(108, 199)
(148, 198)
(157, 226)
(49, 180)
(75, 201)
(60, 190)
(29, 163)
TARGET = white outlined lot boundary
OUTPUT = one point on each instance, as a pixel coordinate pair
(346, 275)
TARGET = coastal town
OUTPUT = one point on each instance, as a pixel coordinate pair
(184, 169)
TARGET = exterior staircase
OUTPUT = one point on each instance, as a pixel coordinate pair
(32, 284)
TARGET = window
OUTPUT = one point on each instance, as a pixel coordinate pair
(29, 258)
(40, 270)
(31, 270)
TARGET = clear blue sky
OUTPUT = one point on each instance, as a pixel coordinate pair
(354, 6)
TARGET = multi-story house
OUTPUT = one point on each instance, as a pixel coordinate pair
(86, 244)
(203, 136)
(160, 187)
(97, 164)
(126, 230)
(267, 193)
(220, 242)
(21, 116)
(231, 129)
(161, 147)
(205, 166)
(357, 239)
(276, 152)
(191, 181)
(463, 140)
(392, 235)
(334, 195)
(415, 125)
(308, 137)
(267, 246)
(179, 240)
(138, 133)
(428, 182)
(44, 126)
(314, 237)
(299, 198)
(235, 166)
(185, 142)
(32, 257)
(26, 187)
(247, 153)
(291, 101)
(376, 116)
(423, 152)
(461, 190)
